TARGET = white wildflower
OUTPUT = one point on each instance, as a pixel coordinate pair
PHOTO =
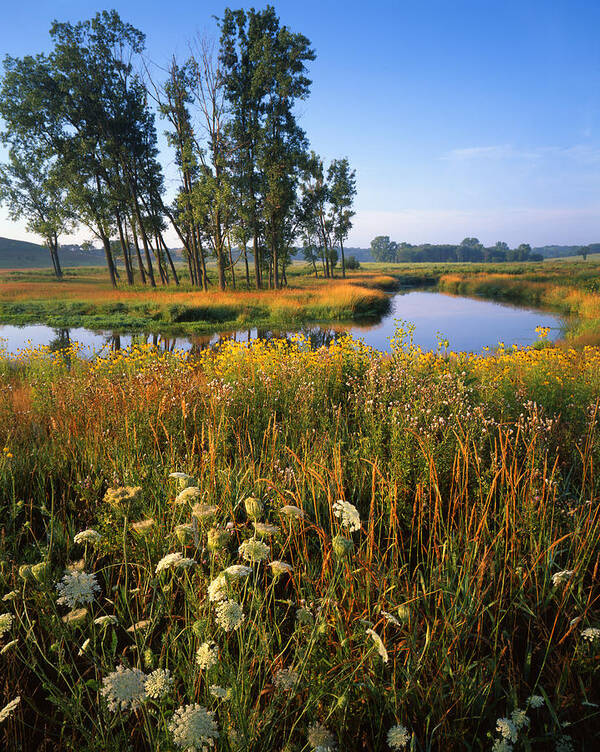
(217, 589)
(286, 679)
(168, 561)
(8, 646)
(204, 511)
(591, 634)
(229, 615)
(87, 536)
(185, 563)
(390, 618)
(254, 550)
(320, 738)
(280, 567)
(77, 587)
(84, 647)
(507, 729)
(159, 683)
(207, 655)
(347, 514)
(291, 511)
(104, 621)
(265, 528)
(398, 737)
(237, 571)
(564, 576)
(10, 596)
(139, 626)
(8, 710)
(194, 728)
(143, 526)
(124, 688)
(191, 493)
(77, 616)
(220, 692)
(378, 644)
(502, 745)
(535, 701)
(6, 621)
(519, 718)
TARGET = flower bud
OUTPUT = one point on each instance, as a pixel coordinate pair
(342, 547)
(254, 508)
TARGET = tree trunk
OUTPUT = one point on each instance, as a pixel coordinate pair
(256, 252)
(109, 260)
(343, 259)
(246, 266)
(137, 250)
(124, 249)
(169, 259)
(231, 263)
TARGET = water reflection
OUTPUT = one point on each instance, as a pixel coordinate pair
(469, 324)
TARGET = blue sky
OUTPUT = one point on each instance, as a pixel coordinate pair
(461, 117)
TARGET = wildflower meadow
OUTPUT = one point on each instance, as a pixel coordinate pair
(272, 547)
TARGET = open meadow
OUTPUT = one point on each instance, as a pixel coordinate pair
(356, 551)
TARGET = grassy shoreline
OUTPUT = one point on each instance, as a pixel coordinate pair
(88, 301)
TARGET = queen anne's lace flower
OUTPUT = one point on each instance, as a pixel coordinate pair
(6, 621)
(519, 718)
(104, 621)
(591, 634)
(237, 571)
(280, 567)
(191, 493)
(87, 536)
(9, 709)
(220, 692)
(320, 738)
(194, 728)
(265, 528)
(168, 561)
(560, 577)
(143, 526)
(507, 729)
(159, 683)
(347, 514)
(286, 679)
(378, 644)
(535, 701)
(207, 655)
(254, 550)
(398, 737)
(229, 615)
(291, 511)
(77, 587)
(217, 589)
(124, 688)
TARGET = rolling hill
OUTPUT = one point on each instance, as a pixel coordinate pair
(21, 254)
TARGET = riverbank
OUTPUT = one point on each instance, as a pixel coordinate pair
(86, 299)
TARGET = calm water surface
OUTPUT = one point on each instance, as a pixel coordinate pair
(469, 324)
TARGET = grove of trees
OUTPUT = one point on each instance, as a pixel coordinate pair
(470, 249)
(80, 127)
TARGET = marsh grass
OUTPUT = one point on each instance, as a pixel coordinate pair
(475, 481)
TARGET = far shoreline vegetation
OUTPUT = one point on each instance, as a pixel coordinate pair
(85, 297)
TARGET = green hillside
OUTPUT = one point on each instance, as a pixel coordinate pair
(21, 254)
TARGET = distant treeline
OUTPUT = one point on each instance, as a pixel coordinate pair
(384, 249)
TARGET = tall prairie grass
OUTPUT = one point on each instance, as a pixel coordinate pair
(468, 587)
